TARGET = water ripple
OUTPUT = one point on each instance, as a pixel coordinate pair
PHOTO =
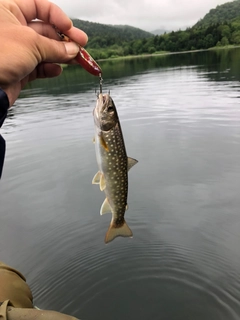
(182, 124)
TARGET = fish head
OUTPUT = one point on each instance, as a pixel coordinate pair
(105, 113)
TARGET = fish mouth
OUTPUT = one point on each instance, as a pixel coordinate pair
(102, 100)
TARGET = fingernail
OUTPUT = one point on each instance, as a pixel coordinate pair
(71, 48)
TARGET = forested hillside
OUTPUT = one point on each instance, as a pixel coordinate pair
(221, 14)
(102, 35)
(190, 39)
(195, 38)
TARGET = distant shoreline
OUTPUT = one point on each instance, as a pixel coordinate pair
(165, 53)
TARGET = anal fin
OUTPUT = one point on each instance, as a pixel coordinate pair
(105, 208)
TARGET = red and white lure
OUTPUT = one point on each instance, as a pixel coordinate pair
(84, 58)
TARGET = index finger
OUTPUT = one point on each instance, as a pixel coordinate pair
(48, 31)
(46, 11)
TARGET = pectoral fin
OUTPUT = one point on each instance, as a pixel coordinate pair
(105, 208)
(131, 163)
(103, 142)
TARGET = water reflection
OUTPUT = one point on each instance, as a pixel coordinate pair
(219, 65)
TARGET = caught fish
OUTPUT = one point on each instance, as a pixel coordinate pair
(113, 166)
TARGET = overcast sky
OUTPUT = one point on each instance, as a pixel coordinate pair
(145, 14)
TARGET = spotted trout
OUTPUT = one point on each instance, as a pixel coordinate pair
(113, 166)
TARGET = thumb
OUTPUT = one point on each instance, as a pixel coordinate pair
(57, 51)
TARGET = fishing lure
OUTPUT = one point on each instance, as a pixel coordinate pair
(84, 58)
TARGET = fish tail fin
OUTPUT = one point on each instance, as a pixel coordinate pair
(115, 231)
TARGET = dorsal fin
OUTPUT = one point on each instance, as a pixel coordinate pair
(131, 163)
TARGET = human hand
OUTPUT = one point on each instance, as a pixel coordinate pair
(30, 49)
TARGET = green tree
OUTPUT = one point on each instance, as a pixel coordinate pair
(137, 47)
(225, 31)
(151, 49)
(236, 37)
(209, 41)
(224, 41)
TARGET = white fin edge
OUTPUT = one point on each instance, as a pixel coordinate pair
(105, 208)
(102, 183)
(96, 179)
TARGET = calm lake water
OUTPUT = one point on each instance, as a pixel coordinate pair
(180, 118)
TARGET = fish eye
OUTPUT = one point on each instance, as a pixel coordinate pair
(110, 109)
